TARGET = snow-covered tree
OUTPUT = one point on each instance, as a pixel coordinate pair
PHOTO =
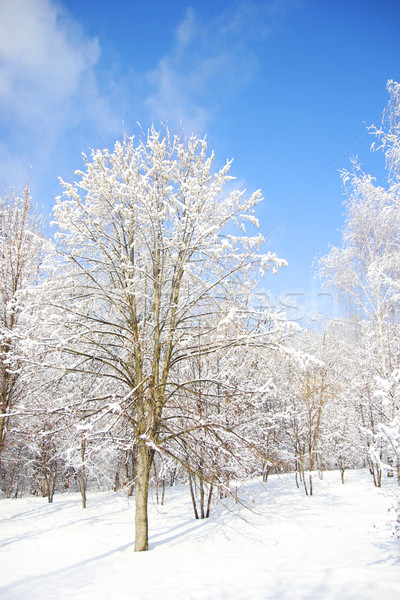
(366, 273)
(147, 250)
(343, 440)
(21, 254)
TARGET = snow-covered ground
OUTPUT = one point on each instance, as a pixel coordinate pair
(336, 544)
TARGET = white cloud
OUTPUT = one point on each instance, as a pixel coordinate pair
(186, 30)
(48, 67)
(48, 84)
(172, 100)
(44, 55)
(212, 60)
(36, 49)
(53, 104)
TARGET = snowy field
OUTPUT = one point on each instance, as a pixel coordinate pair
(337, 544)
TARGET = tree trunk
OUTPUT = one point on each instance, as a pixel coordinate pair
(10, 487)
(202, 513)
(52, 482)
(266, 472)
(155, 481)
(305, 484)
(82, 479)
(163, 491)
(297, 476)
(196, 514)
(376, 473)
(145, 459)
(209, 501)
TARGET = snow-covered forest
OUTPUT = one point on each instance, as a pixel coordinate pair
(139, 352)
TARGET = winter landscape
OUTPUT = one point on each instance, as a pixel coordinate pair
(174, 422)
(336, 544)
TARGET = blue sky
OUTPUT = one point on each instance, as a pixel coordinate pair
(286, 87)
